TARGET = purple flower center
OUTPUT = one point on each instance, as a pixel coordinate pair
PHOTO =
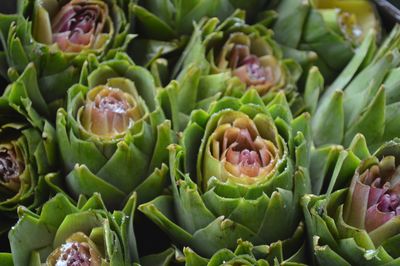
(74, 254)
(255, 70)
(83, 20)
(111, 103)
(9, 167)
(389, 203)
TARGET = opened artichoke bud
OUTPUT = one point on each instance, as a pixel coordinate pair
(236, 152)
(78, 25)
(231, 57)
(75, 26)
(239, 157)
(86, 234)
(56, 37)
(28, 153)
(109, 112)
(253, 60)
(358, 224)
(378, 182)
(110, 142)
(11, 167)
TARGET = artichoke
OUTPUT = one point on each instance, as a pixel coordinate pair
(244, 254)
(356, 103)
(110, 141)
(65, 234)
(28, 153)
(358, 224)
(330, 28)
(226, 58)
(240, 159)
(74, 26)
(163, 26)
(44, 36)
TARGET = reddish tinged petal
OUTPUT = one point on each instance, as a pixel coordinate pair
(233, 156)
(265, 156)
(64, 18)
(376, 191)
(238, 53)
(375, 218)
(230, 137)
(78, 37)
(242, 74)
(244, 140)
(77, 24)
(357, 207)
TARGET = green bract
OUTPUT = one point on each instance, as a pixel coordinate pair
(330, 28)
(358, 225)
(28, 152)
(109, 140)
(64, 232)
(239, 174)
(364, 98)
(226, 58)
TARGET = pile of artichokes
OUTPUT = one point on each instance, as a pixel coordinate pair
(199, 132)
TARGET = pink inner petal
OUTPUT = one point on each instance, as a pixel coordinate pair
(375, 217)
